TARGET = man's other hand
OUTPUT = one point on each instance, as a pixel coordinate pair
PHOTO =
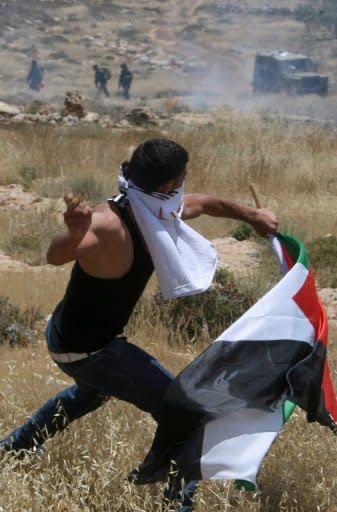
(265, 222)
(76, 217)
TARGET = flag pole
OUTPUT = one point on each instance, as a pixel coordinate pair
(275, 244)
(255, 196)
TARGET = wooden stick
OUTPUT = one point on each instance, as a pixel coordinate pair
(255, 196)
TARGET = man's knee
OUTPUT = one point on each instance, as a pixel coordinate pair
(78, 400)
(89, 395)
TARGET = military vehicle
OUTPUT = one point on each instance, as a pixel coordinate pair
(294, 73)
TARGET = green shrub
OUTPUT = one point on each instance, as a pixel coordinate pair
(17, 327)
(204, 316)
(322, 254)
(90, 187)
(28, 173)
(242, 231)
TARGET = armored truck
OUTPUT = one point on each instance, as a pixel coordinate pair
(294, 73)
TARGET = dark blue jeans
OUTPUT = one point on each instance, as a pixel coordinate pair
(120, 369)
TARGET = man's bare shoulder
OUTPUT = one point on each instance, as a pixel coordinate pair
(193, 205)
(106, 220)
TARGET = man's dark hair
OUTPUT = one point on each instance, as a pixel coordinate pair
(156, 161)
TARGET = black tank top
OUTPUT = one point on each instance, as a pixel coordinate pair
(94, 310)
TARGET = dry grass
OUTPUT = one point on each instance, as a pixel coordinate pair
(85, 468)
(294, 166)
(41, 288)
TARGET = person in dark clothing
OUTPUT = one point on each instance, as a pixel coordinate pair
(101, 80)
(35, 76)
(125, 80)
(112, 265)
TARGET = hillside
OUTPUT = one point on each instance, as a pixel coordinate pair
(202, 51)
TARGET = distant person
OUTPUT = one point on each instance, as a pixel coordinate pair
(101, 78)
(125, 79)
(35, 76)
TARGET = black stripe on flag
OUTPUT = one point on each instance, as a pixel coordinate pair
(228, 376)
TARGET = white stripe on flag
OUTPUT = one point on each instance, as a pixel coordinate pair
(276, 316)
(234, 446)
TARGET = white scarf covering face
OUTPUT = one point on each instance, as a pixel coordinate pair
(185, 262)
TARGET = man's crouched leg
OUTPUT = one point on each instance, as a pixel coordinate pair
(54, 416)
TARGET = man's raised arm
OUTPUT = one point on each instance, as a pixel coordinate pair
(262, 220)
(79, 238)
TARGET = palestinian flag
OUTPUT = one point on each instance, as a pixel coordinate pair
(222, 412)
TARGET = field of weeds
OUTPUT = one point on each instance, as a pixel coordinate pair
(85, 467)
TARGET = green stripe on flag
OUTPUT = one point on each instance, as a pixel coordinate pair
(295, 249)
(288, 409)
(244, 484)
